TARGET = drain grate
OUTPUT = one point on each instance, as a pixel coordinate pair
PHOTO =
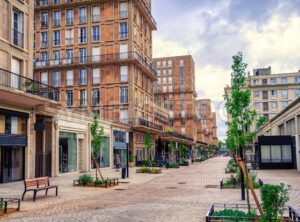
(120, 189)
(211, 186)
(171, 187)
(182, 183)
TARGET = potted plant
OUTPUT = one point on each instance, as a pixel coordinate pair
(30, 86)
(131, 160)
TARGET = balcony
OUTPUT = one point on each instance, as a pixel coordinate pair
(19, 85)
(143, 6)
(100, 60)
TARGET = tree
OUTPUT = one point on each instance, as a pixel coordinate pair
(183, 150)
(148, 145)
(171, 149)
(238, 107)
(97, 132)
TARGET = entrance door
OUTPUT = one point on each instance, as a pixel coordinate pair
(12, 164)
(123, 156)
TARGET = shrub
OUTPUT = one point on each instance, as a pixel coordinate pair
(230, 182)
(184, 163)
(173, 165)
(85, 179)
(100, 182)
(233, 215)
(274, 198)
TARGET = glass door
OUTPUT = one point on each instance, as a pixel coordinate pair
(12, 164)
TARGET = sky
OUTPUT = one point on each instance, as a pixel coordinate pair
(212, 31)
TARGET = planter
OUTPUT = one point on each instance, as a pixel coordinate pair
(6, 206)
(213, 216)
(109, 182)
(149, 171)
(131, 164)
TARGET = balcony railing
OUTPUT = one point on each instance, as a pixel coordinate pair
(95, 18)
(123, 14)
(141, 122)
(69, 21)
(123, 35)
(180, 136)
(82, 19)
(144, 5)
(44, 44)
(18, 82)
(18, 38)
(96, 59)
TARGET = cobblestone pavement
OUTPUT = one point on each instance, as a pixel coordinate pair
(176, 195)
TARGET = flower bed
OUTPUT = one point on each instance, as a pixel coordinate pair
(233, 182)
(86, 180)
(149, 170)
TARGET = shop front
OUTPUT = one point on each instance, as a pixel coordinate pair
(103, 156)
(120, 144)
(67, 152)
(13, 142)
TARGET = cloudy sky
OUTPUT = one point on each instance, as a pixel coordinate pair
(266, 31)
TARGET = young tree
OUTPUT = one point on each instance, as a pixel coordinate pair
(242, 117)
(171, 149)
(149, 146)
(97, 132)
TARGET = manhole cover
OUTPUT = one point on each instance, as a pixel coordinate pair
(211, 186)
(182, 183)
(171, 187)
(119, 189)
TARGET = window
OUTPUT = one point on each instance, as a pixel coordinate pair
(123, 51)
(274, 105)
(164, 89)
(164, 64)
(170, 72)
(284, 80)
(123, 10)
(44, 56)
(265, 95)
(255, 82)
(82, 55)
(82, 15)
(158, 64)
(56, 55)
(265, 106)
(123, 30)
(164, 80)
(290, 127)
(297, 79)
(274, 93)
(56, 18)
(96, 75)
(170, 63)
(284, 94)
(69, 55)
(124, 116)
(124, 95)
(82, 35)
(170, 80)
(181, 63)
(96, 13)
(183, 130)
(264, 82)
(56, 78)
(69, 98)
(69, 36)
(95, 33)
(69, 16)
(257, 105)
(44, 19)
(171, 88)
(17, 30)
(285, 104)
(96, 97)
(273, 81)
(256, 93)
(297, 92)
(44, 78)
(164, 72)
(56, 38)
(276, 154)
(83, 98)
(82, 76)
(70, 78)
(124, 73)
(96, 54)
(44, 39)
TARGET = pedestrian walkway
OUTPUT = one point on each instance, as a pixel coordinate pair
(176, 195)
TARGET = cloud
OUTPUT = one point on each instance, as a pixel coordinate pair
(267, 32)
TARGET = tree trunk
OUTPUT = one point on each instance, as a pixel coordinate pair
(98, 169)
(242, 176)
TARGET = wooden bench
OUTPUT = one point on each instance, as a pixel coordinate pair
(38, 184)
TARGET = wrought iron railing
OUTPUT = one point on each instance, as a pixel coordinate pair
(180, 136)
(18, 82)
(141, 122)
(96, 59)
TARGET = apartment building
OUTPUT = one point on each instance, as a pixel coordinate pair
(175, 91)
(99, 54)
(207, 126)
(271, 93)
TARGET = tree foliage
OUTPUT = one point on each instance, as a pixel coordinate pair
(97, 132)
